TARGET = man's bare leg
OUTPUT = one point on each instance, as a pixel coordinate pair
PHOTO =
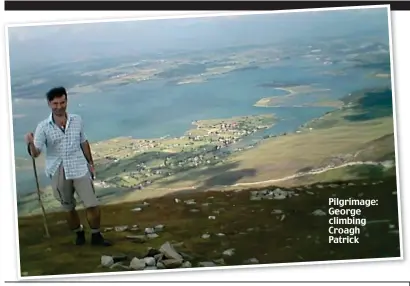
(93, 217)
(74, 224)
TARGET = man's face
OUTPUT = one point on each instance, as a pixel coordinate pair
(58, 105)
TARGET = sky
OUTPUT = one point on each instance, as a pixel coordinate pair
(39, 45)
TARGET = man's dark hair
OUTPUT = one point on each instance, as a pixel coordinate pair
(56, 92)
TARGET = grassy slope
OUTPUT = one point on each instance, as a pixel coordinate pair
(299, 237)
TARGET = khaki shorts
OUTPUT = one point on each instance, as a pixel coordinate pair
(64, 190)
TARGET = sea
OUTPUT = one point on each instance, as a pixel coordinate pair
(157, 108)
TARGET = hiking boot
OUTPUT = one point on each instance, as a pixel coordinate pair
(98, 240)
(80, 240)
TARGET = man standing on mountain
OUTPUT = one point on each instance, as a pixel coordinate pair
(69, 164)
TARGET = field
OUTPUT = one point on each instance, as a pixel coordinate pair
(260, 231)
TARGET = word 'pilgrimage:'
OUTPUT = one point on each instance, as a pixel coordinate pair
(345, 219)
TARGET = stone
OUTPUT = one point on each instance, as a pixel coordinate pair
(149, 261)
(136, 210)
(121, 228)
(318, 212)
(220, 261)
(158, 257)
(152, 235)
(172, 263)
(194, 210)
(276, 212)
(206, 264)
(177, 200)
(119, 265)
(206, 204)
(220, 234)
(252, 261)
(137, 264)
(229, 252)
(107, 261)
(211, 217)
(310, 193)
(169, 252)
(149, 230)
(190, 202)
(159, 227)
(186, 264)
(160, 265)
(206, 236)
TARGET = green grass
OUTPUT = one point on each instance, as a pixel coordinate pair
(299, 237)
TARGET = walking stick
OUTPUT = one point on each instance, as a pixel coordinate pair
(47, 235)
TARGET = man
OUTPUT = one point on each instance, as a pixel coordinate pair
(69, 164)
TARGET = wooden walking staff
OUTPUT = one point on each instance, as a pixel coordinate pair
(47, 234)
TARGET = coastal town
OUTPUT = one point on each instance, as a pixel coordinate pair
(136, 163)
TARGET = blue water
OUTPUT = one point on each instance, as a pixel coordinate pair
(157, 108)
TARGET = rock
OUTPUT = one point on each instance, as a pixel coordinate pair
(190, 202)
(121, 228)
(137, 264)
(119, 265)
(278, 194)
(177, 200)
(276, 212)
(107, 261)
(220, 261)
(149, 230)
(282, 217)
(351, 184)
(152, 235)
(215, 212)
(310, 193)
(136, 210)
(229, 252)
(206, 204)
(169, 252)
(252, 261)
(137, 238)
(159, 227)
(220, 234)
(318, 212)
(150, 268)
(160, 265)
(256, 198)
(158, 257)
(211, 217)
(172, 263)
(206, 236)
(107, 229)
(186, 264)
(194, 210)
(25, 273)
(207, 264)
(149, 261)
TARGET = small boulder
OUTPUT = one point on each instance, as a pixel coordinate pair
(107, 261)
(149, 261)
(172, 263)
(137, 264)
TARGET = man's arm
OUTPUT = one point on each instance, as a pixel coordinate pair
(87, 152)
(38, 142)
(85, 146)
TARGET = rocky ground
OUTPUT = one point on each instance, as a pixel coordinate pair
(214, 229)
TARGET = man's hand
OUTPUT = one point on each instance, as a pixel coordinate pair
(92, 170)
(29, 138)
